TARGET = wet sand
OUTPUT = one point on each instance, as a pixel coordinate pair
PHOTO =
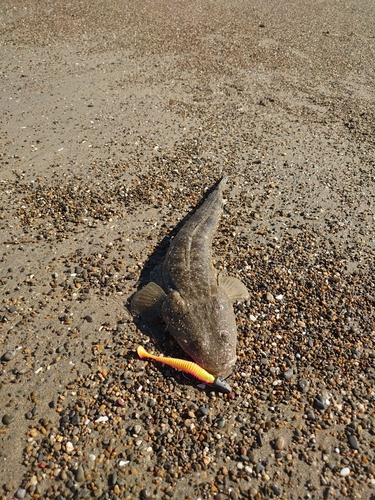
(116, 119)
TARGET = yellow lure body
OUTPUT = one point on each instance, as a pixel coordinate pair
(180, 364)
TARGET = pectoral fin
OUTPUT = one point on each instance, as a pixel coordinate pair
(234, 288)
(148, 301)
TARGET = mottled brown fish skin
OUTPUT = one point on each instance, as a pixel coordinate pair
(198, 312)
(194, 302)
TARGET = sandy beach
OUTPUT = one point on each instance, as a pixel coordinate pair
(117, 118)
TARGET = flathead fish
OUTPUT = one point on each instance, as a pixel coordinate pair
(195, 301)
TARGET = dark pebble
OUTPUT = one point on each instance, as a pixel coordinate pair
(12, 309)
(88, 319)
(75, 420)
(7, 419)
(203, 411)
(319, 403)
(145, 495)
(112, 480)
(259, 440)
(353, 442)
(276, 490)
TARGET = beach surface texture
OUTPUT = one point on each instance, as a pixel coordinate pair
(117, 117)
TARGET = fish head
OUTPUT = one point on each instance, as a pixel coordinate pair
(205, 328)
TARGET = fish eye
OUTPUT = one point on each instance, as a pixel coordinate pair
(224, 335)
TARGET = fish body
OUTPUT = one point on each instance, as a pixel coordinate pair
(196, 303)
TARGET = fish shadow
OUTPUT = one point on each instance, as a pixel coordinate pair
(152, 271)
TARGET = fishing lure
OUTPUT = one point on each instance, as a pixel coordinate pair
(188, 367)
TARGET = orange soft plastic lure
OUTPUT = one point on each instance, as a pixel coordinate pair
(188, 367)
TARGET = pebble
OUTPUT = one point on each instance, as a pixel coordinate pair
(220, 423)
(288, 374)
(279, 443)
(319, 403)
(303, 385)
(20, 493)
(112, 479)
(9, 355)
(69, 447)
(353, 442)
(310, 414)
(7, 419)
(203, 411)
(276, 490)
(80, 474)
(345, 472)
(251, 456)
(145, 495)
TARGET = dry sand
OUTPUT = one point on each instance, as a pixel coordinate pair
(116, 117)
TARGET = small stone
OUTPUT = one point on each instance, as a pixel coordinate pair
(145, 495)
(8, 355)
(20, 493)
(80, 474)
(276, 490)
(259, 468)
(353, 442)
(319, 403)
(259, 440)
(345, 472)
(112, 480)
(220, 423)
(33, 481)
(69, 447)
(12, 310)
(303, 385)
(251, 456)
(288, 374)
(279, 443)
(310, 414)
(7, 419)
(270, 297)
